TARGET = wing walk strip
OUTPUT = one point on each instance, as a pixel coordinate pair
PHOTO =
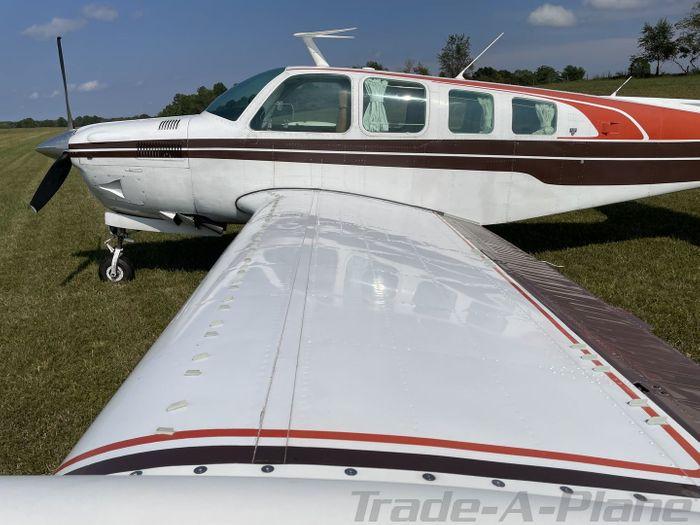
(692, 452)
(673, 433)
(184, 455)
(667, 377)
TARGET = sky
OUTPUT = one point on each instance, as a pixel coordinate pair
(126, 57)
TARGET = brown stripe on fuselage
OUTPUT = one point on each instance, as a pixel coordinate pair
(575, 163)
(540, 148)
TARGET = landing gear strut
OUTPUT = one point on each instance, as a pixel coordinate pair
(115, 267)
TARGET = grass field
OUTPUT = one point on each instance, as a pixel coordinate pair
(687, 86)
(67, 341)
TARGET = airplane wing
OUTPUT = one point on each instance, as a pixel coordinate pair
(351, 339)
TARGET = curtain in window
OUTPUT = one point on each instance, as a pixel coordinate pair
(545, 114)
(374, 118)
(486, 103)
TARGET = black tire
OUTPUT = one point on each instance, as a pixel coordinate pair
(125, 270)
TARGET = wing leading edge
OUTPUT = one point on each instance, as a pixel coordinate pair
(344, 332)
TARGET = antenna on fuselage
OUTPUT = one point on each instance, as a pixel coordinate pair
(461, 73)
(614, 93)
(69, 116)
(314, 51)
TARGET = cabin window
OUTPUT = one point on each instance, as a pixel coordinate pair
(393, 106)
(233, 102)
(534, 117)
(470, 112)
(310, 103)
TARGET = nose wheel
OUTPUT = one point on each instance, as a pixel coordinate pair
(115, 267)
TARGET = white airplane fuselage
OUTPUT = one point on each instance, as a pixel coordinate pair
(602, 150)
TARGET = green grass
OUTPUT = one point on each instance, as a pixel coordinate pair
(676, 86)
(67, 341)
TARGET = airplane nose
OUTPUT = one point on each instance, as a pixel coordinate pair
(55, 146)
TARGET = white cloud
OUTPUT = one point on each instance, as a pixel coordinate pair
(54, 93)
(102, 12)
(91, 85)
(552, 16)
(34, 96)
(618, 4)
(56, 27)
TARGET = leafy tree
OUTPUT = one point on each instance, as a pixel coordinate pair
(639, 67)
(86, 120)
(194, 103)
(486, 74)
(524, 77)
(375, 65)
(546, 75)
(455, 55)
(421, 69)
(573, 73)
(26, 123)
(506, 77)
(656, 43)
(688, 42)
(417, 68)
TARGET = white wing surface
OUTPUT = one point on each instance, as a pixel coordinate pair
(339, 332)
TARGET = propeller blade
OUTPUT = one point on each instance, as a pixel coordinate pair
(52, 181)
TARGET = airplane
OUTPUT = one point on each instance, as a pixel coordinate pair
(364, 341)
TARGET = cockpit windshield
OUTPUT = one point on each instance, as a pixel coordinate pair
(233, 102)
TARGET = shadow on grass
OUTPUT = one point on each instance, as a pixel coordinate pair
(626, 221)
(187, 254)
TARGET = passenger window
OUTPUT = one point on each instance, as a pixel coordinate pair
(393, 106)
(316, 103)
(534, 117)
(470, 112)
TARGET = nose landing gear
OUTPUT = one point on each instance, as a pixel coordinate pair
(115, 267)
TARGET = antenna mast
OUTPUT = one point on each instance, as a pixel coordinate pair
(461, 73)
(314, 51)
(69, 116)
(614, 93)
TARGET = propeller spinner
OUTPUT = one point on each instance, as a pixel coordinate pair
(56, 148)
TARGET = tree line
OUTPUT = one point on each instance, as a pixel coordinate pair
(61, 122)
(456, 55)
(181, 104)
